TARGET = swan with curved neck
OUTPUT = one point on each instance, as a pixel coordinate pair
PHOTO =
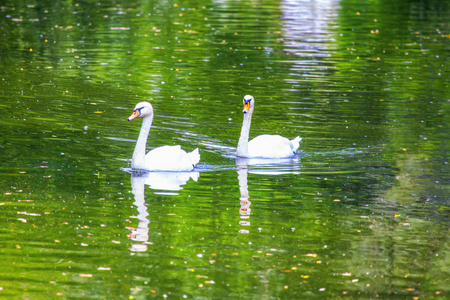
(165, 158)
(265, 145)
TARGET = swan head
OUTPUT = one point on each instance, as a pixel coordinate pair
(249, 102)
(142, 109)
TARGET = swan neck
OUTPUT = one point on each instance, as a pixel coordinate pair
(138, 160)
(242, 147)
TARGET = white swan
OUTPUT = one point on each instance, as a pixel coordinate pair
(165, 158)
(265, 145)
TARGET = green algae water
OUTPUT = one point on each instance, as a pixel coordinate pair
(360, 213)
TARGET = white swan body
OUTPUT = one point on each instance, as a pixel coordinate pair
(165, 158)
(265, 145)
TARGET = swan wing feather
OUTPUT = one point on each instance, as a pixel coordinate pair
(272, 146)
(170, 158)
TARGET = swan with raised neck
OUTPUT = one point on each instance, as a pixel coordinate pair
(266, 145)
(165, 158)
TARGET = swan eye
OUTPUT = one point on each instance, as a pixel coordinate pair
(136, 113)
(246, 106)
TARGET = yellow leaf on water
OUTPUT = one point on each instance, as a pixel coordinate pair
(311, 254)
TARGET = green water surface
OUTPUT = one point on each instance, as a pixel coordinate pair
(361, 212)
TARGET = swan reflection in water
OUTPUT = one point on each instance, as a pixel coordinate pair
(169, 181)
(260, 166)
(244, 210)
(140, 233)
(161, 181)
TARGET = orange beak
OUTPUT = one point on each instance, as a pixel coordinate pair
(246, 107)
(134, 115)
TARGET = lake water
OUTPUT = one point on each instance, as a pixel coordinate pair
(362, 211)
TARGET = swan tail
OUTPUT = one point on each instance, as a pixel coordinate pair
(296, 143)
(194, 176)
(194, 157)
